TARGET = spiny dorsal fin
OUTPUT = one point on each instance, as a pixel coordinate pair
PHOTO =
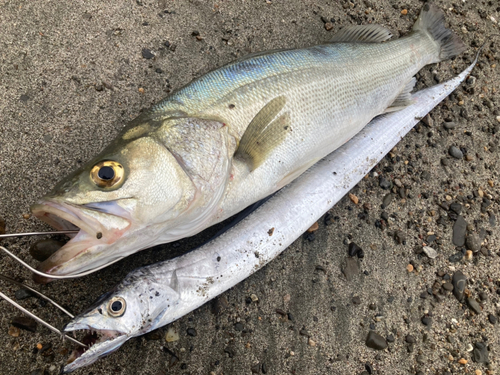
(404, 98)
(262, 136)
(362, 34)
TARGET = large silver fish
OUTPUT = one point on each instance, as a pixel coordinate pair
(156, 295)
(233, 137)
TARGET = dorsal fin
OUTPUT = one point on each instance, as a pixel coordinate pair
(263, 134)
(362, 34)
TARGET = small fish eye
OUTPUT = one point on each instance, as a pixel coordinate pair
(116, 306)
(107, 174)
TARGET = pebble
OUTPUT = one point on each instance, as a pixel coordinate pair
(459, 229)
(313, 228)
(147, 54)
(449, 125)
(42, 250)
(22, 294)
(409, 268)
(448, 286)
(2, 225)
(353, 198)
(25, 323)
(459, 283)
(430, 252)
(311, 342)
(375, 341)
(353, 249)
(468, 254)
(387, 200)
(171, 335)
(328, 26)
(191, 332)
(462, 361)
(473, 242)
(14, 331)
(384, 183)
(254, 297)
(350, 268)
(456, 207)
(480, 353)
(492, 318)
(455, 152)
(474, 305)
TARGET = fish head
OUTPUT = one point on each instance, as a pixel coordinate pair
(135, 307)
(118, 201)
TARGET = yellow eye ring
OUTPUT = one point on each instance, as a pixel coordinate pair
(107, 174)
(116, 306)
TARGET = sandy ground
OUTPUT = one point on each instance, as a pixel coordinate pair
(72, 74)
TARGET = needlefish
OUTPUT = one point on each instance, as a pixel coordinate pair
(153, 296)
(233, 137)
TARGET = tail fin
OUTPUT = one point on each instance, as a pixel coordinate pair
(431, 21)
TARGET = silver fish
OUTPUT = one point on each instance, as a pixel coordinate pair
(233, 137)
(156, 295)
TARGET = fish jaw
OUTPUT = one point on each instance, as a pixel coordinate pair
(101, 342)
(98, 229)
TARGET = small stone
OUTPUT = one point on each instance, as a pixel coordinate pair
(478, 372)
(23, 294)
(492, 318)
(375, 341)
(430, 252)
(141, 90)
(328, 26)
(25, 323)
(448, 286)
(468, 254)
(286, 298)
(311, 342)
(473, 242)
(462, 361)
(473, 305)
(404, 12)
(409, 268)
(384, 183)
(356, 300)
(313, 228)
(449, 125)
(480, 353)
(455, 152)
(353, 249)
(255, 369)
(456, 207)
(459, 229)
(350, 268)
(387, 200)
(191, 332)
(14, 331)
(171, 335)
(2, 225)
(459, 283)
(153, 335)
(147, 54)
(239, 327)
(353, 198)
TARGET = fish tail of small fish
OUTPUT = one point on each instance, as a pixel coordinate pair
(445, 42)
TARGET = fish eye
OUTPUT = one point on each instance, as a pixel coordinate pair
(116, 306)
(107, 174)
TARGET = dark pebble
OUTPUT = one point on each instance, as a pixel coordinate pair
(492, 318)
(23, 294)
(455, 258)
(154, 335)
(375, 341)
(390, 338)
(426, 321)
(353, 249)
(191, 332)
(449, 125)
(25, 323)
(459, 229)
(480, 353)
(448, 286)
(2, 225)
(384, 183)
(410, 339)
(369, 368)
(255, 369)
(238, 327)
(474, 305)
(387, 200)
(264, 368)
(400, 237)
(356, 300)
(455, 152)
(456, 207)
(459, 284)
(42, 250)
(473, 242)
(147, 54)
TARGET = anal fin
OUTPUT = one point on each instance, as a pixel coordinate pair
(362, 34)
(404, 98)
(264, 133)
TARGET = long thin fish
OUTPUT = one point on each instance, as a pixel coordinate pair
(156, 295)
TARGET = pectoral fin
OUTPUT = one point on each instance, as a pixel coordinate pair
(404, 98)
(264, 133)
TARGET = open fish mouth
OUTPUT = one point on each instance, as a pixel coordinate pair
(100, 342)
(97, 228)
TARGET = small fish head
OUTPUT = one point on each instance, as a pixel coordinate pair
(133, 308)
(118, 200)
